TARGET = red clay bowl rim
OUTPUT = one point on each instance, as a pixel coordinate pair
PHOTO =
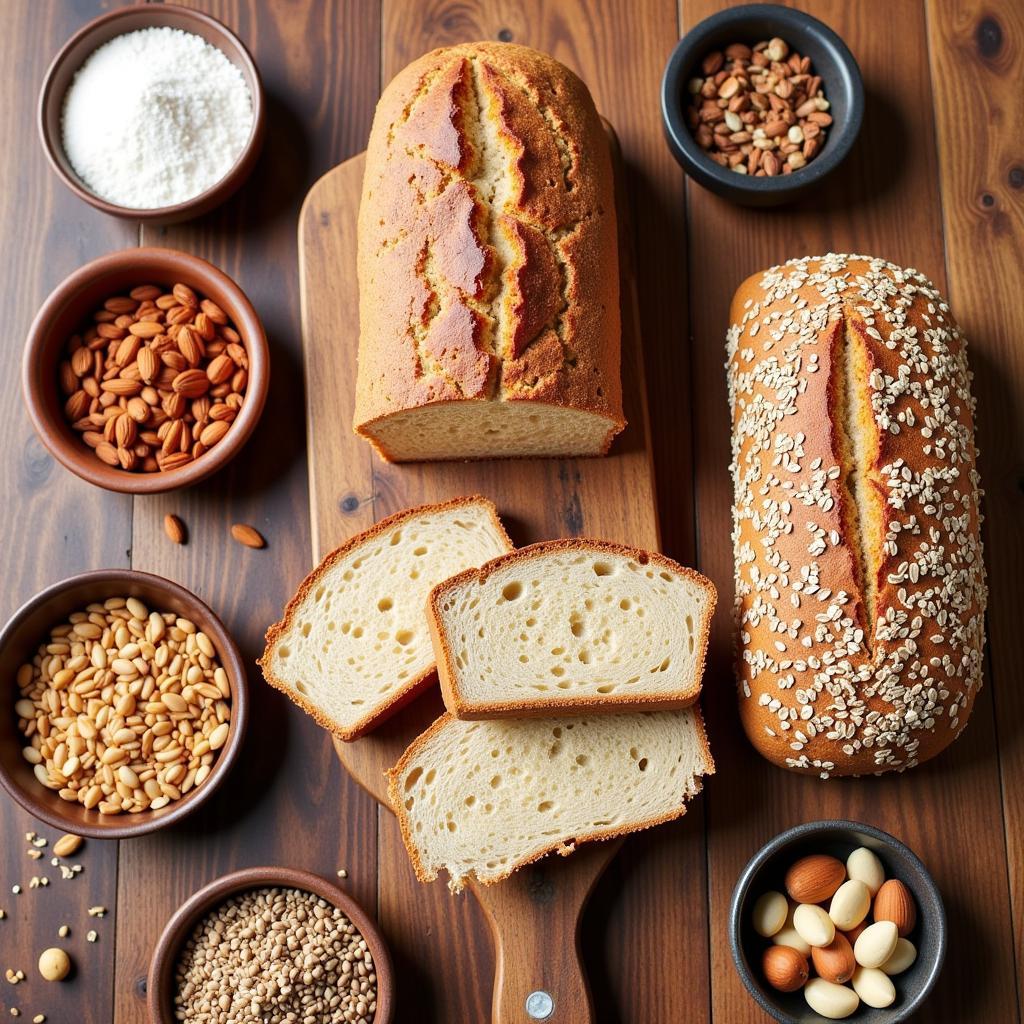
(84, 464)
(159, 981)
(130, 825)
(219, 190)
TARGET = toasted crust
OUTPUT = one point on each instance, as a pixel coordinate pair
(539, 707)
(468, 295)
(409, 690)
(561, 848)
(860, 592)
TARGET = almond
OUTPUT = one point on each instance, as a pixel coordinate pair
(81, 361)
(146, 329)
(174, 528)
(835, 962)
(222, 411)
(174, 461)
(815, 878)
(172, 437)
(213, 311)
(213, 432)
(149, 364)
(184, 295)
(895, 903)
(221, 370)
(138, 409)
(107, 453)
(190, 346)
(124, 431)
(247, 535)
(121, 387)
(77, 405)
(784, 968)
(191, 383)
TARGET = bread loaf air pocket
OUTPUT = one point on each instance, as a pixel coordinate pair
(860, 586)
(488, 263)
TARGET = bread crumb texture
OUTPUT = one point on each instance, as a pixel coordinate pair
(354, 644)
(485, 798)
(860, 585)
(488, 263)
(572, 624)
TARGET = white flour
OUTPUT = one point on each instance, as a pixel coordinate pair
(155, 117)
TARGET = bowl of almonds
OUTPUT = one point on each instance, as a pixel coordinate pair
(146, 370)
(761, 102)
(837, 920)
(126, 704)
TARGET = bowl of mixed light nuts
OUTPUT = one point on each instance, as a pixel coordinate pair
(126, 704)
(761, 102)
(146, 370)
(270, 944)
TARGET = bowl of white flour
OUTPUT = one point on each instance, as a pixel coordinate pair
(152, 113)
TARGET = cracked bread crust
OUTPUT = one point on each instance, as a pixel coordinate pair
(488, 262)
(860, 585)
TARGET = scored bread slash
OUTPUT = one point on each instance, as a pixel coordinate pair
(248, 535)
(570, 626)
(174, 528)
(485, 798)
(353, 645)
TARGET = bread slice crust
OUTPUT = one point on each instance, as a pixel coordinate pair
(411, 689)
(562, 847)
(542, 706)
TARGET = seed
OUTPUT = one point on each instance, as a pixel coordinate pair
(247, 535)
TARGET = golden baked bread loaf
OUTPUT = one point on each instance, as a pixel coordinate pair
(488, 266)
(860, 586)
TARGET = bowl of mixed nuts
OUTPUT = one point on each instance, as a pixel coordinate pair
(126, 704)
(761, 102)
(146, 370)
(270, 944)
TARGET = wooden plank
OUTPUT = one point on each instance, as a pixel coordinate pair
(619, 51)
(287, 801)
(56, 525)
(977, 58)
(884, 201)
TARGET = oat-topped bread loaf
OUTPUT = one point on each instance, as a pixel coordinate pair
(860, 587)
(353, 645)
(571, 626)
(488, 267)
(486, 798)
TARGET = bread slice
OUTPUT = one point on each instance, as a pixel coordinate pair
(571, 626)
(353, 645)
(485, 798)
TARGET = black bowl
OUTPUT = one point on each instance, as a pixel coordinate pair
(830, 59)
(765, 872)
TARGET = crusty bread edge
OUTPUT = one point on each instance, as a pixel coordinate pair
(541, 706)
(562, 848)
(365, 430)
(411, 688)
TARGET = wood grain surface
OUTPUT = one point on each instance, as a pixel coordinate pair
(936, 181)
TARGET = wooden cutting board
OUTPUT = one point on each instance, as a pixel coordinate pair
(535, 914)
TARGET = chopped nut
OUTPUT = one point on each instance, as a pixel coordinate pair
(342, 873)
(63, 931)
(97, 911)
(16, 889)
(91, 936)
(34, 854)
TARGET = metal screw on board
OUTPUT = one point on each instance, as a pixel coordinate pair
(539, 1005)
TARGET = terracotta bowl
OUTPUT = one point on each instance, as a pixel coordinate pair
(74, 301)
(160, 983)
(18, 642)
(130, 19)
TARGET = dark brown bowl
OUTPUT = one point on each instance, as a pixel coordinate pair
(74, 301)
(160, 983)
(18, 642)
(130, 19)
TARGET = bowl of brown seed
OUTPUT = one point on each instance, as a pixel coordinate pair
(146, 370)
(126, 704)
(761, 102)
(270, 944)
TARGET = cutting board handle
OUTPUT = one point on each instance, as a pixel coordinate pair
(535, 921)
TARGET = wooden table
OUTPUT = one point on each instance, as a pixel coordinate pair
(936, 181)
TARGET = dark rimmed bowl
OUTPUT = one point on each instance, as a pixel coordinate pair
(101, 30)
(73, 302)
(830, 58)
(30, 625)
(160, 983)
(766, 871)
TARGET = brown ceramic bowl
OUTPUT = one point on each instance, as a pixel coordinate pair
(130, 19)
(18, 642)
(160, 983)
(74, 301)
